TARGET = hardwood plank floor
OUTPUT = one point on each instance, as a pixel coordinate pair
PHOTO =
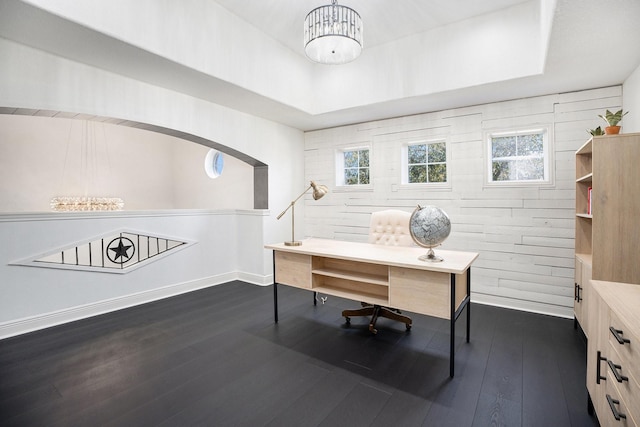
(215, 357)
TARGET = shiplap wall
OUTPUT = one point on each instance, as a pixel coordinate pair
(524, 234)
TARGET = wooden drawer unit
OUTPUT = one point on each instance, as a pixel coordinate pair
(616, 411)
(425, 292)
(293, 269)
(613, 353)
(621, 374)
(624, 341)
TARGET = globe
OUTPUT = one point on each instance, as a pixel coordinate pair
(429, 227)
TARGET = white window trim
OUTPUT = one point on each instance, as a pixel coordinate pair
(404, 166)
(339, 169)
(548, 147)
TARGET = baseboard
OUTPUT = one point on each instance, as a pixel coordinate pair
(529, 306)
(23, 326)
(256, 279)
(30, 324)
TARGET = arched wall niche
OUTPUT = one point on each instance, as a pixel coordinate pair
(260, 169)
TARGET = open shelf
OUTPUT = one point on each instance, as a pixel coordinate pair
(343, 293)
(363, 277)
(586, 216)
(587, 147)
(343, 278)
(586, 178)
(585, 258)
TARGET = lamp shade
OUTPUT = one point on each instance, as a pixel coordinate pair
(333, 34)
(319, 190)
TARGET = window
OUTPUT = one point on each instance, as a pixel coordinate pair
(353, 167)
(521, 156)
(426, 162)
(213, 163)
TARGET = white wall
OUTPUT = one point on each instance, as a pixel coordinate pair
(32, 79)
(631, 103)
(524, 235)
(35, 297)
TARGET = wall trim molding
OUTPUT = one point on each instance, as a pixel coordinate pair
(56, 216)
(521, 305)
(30, 324)
(256, 279)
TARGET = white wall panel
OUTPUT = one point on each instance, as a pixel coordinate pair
(524, 234)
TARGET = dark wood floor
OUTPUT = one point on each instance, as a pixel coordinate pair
(215, 357)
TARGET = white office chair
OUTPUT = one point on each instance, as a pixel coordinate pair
(389, 227)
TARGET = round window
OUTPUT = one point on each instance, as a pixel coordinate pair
(214, 163)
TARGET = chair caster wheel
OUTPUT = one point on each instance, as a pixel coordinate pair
(347, 320)
(408, 327)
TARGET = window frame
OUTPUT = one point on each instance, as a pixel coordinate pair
(547, 156)
(340, 167)
(404, 170)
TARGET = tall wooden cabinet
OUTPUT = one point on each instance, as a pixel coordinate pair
(607, 235)
(607, 241)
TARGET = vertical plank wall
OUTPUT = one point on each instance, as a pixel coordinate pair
(524, 234)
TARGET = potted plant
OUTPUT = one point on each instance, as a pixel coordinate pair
(612, 120)
(596, 132)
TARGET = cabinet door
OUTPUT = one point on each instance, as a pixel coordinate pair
(585, 297)
(616, 204)
(597, 351)
(577, 293)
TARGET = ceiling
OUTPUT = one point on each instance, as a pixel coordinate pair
(384, 21)
(388, 80)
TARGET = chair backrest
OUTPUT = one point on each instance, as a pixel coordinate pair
(390, 227)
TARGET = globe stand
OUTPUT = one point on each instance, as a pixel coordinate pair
(431, 257)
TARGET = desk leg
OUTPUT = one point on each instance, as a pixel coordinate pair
(275, 290)
(468, 302)
(452, 338)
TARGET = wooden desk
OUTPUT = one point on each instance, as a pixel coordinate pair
(391, 276)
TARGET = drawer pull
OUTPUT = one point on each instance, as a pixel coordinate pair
(598, 376)
(577, 293)
(612, 404)
(614, 368)
(618, 334)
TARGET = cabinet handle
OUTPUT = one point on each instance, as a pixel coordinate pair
(618, 334)
(614, 368)
(598, 376)
(612, 404)
(577, 292)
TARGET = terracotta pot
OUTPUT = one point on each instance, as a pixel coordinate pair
(612, 130)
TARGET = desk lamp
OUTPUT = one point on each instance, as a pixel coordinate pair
(318, 192)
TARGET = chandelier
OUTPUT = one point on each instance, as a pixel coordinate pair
(85, 203)
(88, 170)
(333, 34)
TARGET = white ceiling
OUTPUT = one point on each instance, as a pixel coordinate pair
(383, 20)
(578, 54)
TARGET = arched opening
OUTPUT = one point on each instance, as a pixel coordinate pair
(179, 160)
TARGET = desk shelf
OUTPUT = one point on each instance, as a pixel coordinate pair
(350, 279)
(341, 292)
(374, 279)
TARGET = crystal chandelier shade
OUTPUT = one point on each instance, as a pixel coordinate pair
(333, 34)
(86, 204)
(87, 169)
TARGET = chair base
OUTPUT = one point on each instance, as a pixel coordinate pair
(376, 311)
